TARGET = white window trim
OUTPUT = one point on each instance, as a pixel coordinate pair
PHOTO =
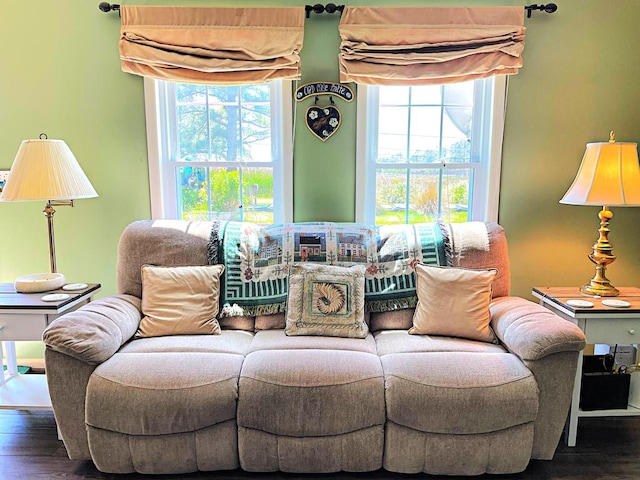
(486, 198)
(163, 194)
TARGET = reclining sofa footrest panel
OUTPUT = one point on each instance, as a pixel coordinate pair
(208, 449)
(359, 451)
(311, 410)
(411, 451)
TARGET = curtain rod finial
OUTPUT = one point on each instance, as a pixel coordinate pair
(107, 7)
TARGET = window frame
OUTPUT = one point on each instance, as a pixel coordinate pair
(162, 145)
(485, 195)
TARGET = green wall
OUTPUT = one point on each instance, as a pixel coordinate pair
(60, 74)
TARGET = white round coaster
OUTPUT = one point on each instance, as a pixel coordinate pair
(55, 297)
(74, 286)
(580, 303)
(616, 303)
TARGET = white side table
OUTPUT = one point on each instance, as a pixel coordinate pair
(23, 317)
(600, 324)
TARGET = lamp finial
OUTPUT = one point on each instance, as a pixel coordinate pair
(612, 136)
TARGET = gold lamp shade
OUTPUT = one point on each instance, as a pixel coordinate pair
(609, 175)
(46, 169)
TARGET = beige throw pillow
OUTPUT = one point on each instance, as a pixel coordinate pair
(180, 300)
(453, 302)
(326, 300)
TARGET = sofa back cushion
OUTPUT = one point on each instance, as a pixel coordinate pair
(478, 245)
(474, 245)
(179, 242)
(167, 243)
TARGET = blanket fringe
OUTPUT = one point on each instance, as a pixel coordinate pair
(213, 244)
(446, 240)
(252, 310)
(393, 304)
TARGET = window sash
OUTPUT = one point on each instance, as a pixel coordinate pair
(163, 149)
(486, 153)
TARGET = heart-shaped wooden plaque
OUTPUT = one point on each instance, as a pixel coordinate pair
(323, 121)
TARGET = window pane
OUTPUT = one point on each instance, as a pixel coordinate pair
(456, 128)
(456, 191)
(257, 206)
(459, 94)
(392, 134)
(206, 193)
(224, 122)
(391, 196)
(424, 195)
(425, 134)
(426, 95)
(394, 96)
(458, 152)
(256, 124)
(191, 113)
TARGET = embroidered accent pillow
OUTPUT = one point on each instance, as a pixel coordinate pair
(326, 300)
(180, 300)
(453, 302)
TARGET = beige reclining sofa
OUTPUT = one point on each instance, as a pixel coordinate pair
(255, 398)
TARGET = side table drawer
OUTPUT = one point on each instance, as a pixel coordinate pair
(20, 327)
(612, 331)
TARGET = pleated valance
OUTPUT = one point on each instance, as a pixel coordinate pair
(420, 46)
(223, 46)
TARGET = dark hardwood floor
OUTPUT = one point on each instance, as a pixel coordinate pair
(608, 448)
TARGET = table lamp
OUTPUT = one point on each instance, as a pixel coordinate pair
(609, 176)
(45, 169)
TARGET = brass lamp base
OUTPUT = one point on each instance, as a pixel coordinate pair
(602, 256)
(599, 289)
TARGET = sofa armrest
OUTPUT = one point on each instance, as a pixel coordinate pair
(95, 331)
(531, 331)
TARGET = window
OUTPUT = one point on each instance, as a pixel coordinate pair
(429, 152)
(220, 151)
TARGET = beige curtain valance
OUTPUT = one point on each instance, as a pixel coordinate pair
(420, 46)
(223, 46)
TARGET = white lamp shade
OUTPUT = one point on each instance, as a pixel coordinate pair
(609, 175)
(46, 169)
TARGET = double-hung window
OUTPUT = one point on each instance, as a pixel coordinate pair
(220, 152)
(429, 152)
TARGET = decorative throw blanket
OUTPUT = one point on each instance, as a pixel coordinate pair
(257, 259)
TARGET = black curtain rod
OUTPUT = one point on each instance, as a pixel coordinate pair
(332, 8)
(317, 8)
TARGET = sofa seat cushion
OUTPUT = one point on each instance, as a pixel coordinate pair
(399, 341)
(163, 393)
(229, 341)
(310, 393)
(278, 340)
(459, 392)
